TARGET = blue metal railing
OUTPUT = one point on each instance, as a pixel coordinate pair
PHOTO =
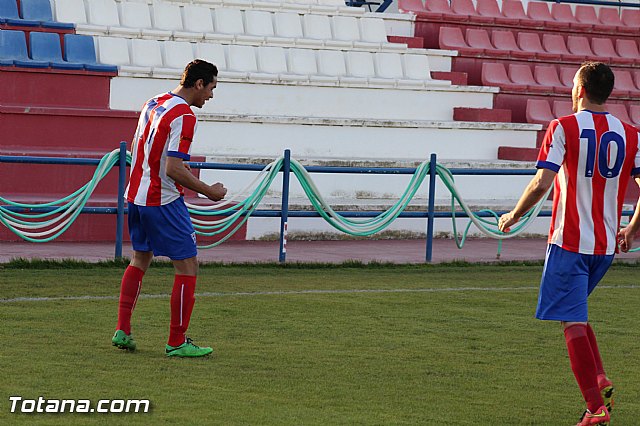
(284, 213)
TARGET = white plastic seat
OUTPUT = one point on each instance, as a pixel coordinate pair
(70, 11)
(360, 64)
(345, 28)
(302, 61)
(258, 22)
(177, 54)
(137, 15)
(197, 19)
(373, 30)
(228, 21)
(213, 53)
(103, 13)
(242, 59)
(115, 51)
(317, 27)
(166, 16)
(146, 53)
(389, 66)
(331, 63)
(272, 60)
(416, 67)
(288, 25)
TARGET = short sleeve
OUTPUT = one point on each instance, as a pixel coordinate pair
(182, 131)
(552, 151)
(636, 164)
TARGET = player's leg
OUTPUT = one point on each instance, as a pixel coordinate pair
(132, 280)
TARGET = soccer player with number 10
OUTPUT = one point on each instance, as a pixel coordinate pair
(590, 157)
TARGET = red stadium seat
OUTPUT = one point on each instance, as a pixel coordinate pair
(451, 38)
(530, 42)
(561, 12)
(494, 74)
(465, 7)
(491, 9)
(440, 9)
(513, 9)
(505, 40)
(562, 108)
(538, 112)
(628, 49)
(631, 18)
(521, 74)
(603, 47)
(414, 6)
(539, 11)
(624, 82)
(547, 75)
(554, 43)
(567, 74)
(634, 114)
(479, 39)
(620, 111)
(610, 16)
(586, 14)
(636, 77)
(579, 46)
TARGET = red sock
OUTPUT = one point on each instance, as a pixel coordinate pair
(583, 365)
(182, 300)
(129, 291)
(596, 352)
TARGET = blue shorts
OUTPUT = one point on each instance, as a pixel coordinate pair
(165, 230)
(568, 279)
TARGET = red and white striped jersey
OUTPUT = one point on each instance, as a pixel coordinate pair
(165, 128)
(594, 154)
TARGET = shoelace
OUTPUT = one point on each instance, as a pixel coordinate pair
(189, 341)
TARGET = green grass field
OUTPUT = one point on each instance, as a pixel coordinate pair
(450, 344)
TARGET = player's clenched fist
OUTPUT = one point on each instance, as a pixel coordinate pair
(217, 192)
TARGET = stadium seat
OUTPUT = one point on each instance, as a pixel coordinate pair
(539, 11)
(197, 19)
(166, 16)
(331, 63)
(146, 53)
(619, 111)
(567, 74)
(579, 46)
(229, 21)
(414, 6)
(554, 43)
(345, 28)
(635, 74)
(505, 40)
(624, 83)
(538, 112)
(242, 58)
(494, 74)
(441, 10)
(302, 62)
(288, 25)
(628, 49)
(373, 30)
(81, 50)
(9, 13)
(213, 53)
(513, 9)
(478, 38)
(45, 47)
(272, 60)
(360, 64)
(562, 108)
(137, 15)
(631, 18)
(465, 7)
(634, 114)
(521, 74)
(490, 8)
(115, 51)
(452, 38)
(104, 13)
(13, 50)
(70, 11)
(177, 54)
(586, 14)
(388, 65)
(317, 27)
(603, 48)
(530, 42)
(610, 16)
(258, 22)
(561, 12)
(416, 67)
(547, 76)
(40, 10)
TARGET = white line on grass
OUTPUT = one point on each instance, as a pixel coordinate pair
(298, 292)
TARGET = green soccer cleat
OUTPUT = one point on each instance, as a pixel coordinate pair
(123, 341)
(187, 349)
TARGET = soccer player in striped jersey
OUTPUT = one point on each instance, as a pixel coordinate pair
(159, 223)
(590, 157)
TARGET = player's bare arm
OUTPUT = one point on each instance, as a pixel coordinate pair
(536, 189)
(177, 171)
(627, 234)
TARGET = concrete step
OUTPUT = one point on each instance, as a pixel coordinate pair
(411, 42)
(455, 77)
(493, 115)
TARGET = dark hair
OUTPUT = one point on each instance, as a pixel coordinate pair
(597, 80)
(198, 70)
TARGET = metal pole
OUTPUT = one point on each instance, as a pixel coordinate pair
(432, 206)
(121, 181)
(284, 216)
